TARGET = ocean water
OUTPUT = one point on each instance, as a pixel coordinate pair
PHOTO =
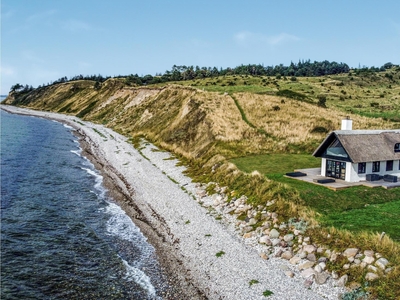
(62, 237)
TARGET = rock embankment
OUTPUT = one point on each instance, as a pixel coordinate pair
(261, 228)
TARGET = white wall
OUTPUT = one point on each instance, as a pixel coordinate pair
(352, 171)
(323, 166)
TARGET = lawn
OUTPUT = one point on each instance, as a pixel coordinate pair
(356, 209)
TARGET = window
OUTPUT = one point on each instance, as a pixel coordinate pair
(389, 165)
(376, 166)
(397, 147)
(361, 167)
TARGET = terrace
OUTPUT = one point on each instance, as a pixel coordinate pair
(313, 175)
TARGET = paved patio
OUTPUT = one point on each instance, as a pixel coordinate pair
(315, 174)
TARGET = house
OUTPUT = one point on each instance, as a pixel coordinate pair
(359, 155)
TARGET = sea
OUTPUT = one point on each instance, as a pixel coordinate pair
(62, 236)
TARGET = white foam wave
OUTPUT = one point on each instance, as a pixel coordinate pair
(138, 276)
(69, 127)
(99, 180)
(121, 225)
(77, 152)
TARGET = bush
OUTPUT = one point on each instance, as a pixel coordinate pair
(322, 100)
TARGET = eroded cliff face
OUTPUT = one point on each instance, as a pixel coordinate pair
(186, 120)
(193, 122)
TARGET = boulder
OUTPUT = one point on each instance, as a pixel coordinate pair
(382, 263)
(368, 259)
(273, 234)
(371, 276)
(287, 255)
(306, 265)
(288, 237)
(294, 260)
(309, 248)
(341, 282)
(308, 273)
(320, 278)
(350, 252)
(265, 240)
(311, 257)
(369, 253)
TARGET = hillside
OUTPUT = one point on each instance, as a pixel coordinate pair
(229, 115)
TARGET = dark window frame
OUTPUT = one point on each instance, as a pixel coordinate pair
(362, 167)
(397, 147)
(389, 165)
(376, 166)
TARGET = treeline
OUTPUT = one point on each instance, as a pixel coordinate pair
(180, 73)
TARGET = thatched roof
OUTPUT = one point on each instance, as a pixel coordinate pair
(364, 145)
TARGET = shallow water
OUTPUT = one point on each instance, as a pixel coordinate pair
(61, 236)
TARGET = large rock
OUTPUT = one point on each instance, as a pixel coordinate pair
(350, 252)
(274, 234)
(320, 278)
(265, 240)
(382, 263)
(369, 259)
(287, 255)
(371, 276)
(306, 265)
(294, 260)
(342, 281)
(308, 273)
(309, 248)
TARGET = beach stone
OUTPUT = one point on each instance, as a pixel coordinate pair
(263, 255)
(308, 283)
(372, 268)
(302, 255)
(273, 234)
(346, 266)
(252, 221)
(350, 252)
(311, 257)
(287, 255)
(368, 259)
(265, 240)
(279, 253)
(321, 278)
(309, 248)
(322, 265)
(294, 260)
(381, 263)
(341, 282)
(308, 273)
(248, 235)
(306, 265)
(306, 239)
(363, 264)
(289, 274)
(275, 242)
(333, 257)
(322, 259)
(371, 276)
(335, 275)
(288, 237)
(318, 269)
(369, 253)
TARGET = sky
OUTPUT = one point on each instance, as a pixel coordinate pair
(44, 40)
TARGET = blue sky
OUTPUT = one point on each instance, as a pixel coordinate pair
(44, 40)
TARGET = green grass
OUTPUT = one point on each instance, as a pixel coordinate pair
(276, 163)
(356, 209)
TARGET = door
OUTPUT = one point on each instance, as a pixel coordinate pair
(335, 169)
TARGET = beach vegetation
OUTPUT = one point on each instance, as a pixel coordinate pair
(253, 281)
(220, 253)
(267, 293)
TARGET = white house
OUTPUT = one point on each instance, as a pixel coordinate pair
(357, 155)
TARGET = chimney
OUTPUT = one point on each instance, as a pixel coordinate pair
(347, 124)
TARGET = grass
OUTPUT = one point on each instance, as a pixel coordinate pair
(220, 253)
(355, 209)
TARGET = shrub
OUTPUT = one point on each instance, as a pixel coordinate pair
(322, 100)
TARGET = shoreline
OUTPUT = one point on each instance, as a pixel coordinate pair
(187, 238)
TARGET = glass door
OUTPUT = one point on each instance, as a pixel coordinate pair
(335, 169)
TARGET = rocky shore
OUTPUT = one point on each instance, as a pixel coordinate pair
(205, 251)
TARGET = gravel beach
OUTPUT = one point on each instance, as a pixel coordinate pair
(204, 257)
